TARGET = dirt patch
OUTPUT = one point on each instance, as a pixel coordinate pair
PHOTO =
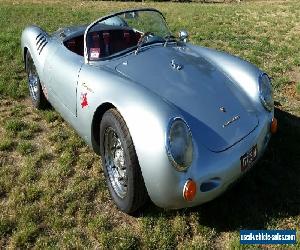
(295, 73)
(288, 98)
(290, 90)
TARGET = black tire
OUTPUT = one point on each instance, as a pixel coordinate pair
(37, 95)
(136, 194)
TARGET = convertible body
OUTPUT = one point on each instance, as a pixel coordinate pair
(86, 70)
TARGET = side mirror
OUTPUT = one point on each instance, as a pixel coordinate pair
(183, 36)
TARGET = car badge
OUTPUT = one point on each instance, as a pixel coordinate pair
(233, 119)
(175, 65)
(222, 109)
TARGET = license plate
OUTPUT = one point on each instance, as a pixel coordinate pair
(248, 159)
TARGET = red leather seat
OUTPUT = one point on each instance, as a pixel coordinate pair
(106, 39)
(127, 37)
(109, 42)
(95, 49)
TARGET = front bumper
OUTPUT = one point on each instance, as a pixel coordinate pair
(212, 172)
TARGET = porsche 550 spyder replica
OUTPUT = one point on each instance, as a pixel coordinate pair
(171, 121)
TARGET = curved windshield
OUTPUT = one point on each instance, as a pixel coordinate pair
(125, 31)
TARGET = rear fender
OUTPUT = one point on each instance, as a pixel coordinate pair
(37, 42)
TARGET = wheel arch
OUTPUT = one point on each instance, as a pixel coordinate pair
(97, 117)
(25, 51)
(146, 116)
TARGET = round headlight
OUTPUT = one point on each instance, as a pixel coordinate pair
(180, 144)
(266, 92)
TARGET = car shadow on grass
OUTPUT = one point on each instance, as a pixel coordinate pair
(269, 192)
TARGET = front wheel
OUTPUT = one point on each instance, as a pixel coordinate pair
(121, 166)
(38, 98)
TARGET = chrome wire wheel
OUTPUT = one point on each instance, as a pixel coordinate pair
(120, 163)
(115, 162)
(33, 79)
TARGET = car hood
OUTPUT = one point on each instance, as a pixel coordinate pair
(208, 99)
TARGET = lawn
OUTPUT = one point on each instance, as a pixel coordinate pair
(52, 189)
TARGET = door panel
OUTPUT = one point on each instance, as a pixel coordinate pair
(61, 71)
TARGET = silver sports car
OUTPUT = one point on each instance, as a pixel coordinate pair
(171, 121)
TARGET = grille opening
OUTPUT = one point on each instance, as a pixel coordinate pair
(210, 184)
(37, 37)
(41, 42)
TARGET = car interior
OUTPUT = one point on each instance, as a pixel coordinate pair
(104, 43)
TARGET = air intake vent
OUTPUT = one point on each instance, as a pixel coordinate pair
(41, 42)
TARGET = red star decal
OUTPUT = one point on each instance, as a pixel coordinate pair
(84, 101)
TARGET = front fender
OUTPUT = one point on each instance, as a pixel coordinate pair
(242, 73)
(146, 116)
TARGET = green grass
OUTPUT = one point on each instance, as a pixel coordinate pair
(15, 125)
(6, 145)
(298, 87)
(25, 148)
(52, 189)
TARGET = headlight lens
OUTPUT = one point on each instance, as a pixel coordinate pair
(180, 144)
(266, 92)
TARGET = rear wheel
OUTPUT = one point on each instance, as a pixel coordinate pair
(38, 98)
(121, 167)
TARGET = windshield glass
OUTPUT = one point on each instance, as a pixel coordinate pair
(124, 31)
